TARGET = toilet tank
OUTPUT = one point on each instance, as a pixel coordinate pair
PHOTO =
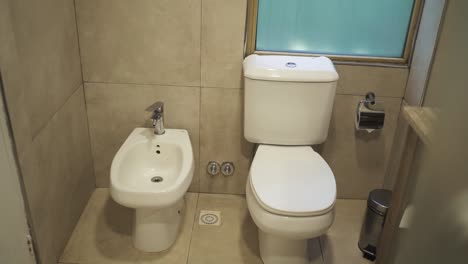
(288, 99)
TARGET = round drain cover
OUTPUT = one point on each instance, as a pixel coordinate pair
(157, 179)
(209, 219)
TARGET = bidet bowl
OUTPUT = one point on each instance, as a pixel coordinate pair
(152, 171)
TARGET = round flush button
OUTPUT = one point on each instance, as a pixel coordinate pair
(291, 64)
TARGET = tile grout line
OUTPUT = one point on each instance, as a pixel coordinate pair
(214, 87)
(73, 92)
(199, 140)
(78, 41)
(52, 116)
(88, 202)
(193, 227)
(80, 55)
(200, 116)
(201, 44)
(142, 84)
(200, 106)
(59, 262)
(321, 249)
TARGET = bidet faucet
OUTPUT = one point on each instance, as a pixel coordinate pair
(158, 118)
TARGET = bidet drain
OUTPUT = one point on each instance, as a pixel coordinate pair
(157, 179)
(210, 218)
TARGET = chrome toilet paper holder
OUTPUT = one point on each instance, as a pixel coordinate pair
(369, 115)
(369, 99)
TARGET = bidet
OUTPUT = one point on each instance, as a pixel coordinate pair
(151, 173)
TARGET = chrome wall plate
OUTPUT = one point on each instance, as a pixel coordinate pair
(213, 168)
(227, 168)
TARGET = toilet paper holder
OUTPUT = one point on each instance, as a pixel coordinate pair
(369, 99)
(369, 114)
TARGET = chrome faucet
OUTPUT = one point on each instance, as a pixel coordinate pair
(158, 118)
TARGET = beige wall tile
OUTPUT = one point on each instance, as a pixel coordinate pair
(339, 244)
(234, 241)
(358, 159)
(223, 27)
(222, 139)
(114, 110)
(145, 41)
(47, 48)
(58, 176)
(104, 235)
(12, 81)
(383, 81)
(42, 78)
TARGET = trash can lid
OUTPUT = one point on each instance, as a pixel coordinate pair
(379, 200)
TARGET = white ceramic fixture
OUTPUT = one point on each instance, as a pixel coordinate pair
(151, 173)
(291, 190)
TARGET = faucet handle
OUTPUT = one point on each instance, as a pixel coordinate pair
(157, 107)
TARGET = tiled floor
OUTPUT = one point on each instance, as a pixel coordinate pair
(103, 235)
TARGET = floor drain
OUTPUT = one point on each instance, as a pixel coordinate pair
(157, 179)
(210, 218)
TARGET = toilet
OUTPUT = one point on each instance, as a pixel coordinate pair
(291, 190)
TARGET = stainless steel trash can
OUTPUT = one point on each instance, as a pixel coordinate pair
(378, 204)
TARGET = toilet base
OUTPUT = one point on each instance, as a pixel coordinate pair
(155, 230)
(278, 250)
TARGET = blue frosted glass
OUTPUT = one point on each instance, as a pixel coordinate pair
(341, 27)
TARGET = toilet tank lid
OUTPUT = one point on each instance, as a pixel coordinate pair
(289, 68)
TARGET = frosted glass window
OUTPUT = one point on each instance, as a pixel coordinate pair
(375, 28)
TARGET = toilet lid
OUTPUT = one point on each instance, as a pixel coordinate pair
(293, 181)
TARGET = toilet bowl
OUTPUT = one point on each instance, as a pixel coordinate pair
(291, 190)
(290, 195)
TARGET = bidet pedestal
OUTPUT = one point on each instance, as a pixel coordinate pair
(278, 250)
(155, 230)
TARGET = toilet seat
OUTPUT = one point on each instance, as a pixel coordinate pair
(292, 181)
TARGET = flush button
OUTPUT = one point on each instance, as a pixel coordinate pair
(291, 64)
